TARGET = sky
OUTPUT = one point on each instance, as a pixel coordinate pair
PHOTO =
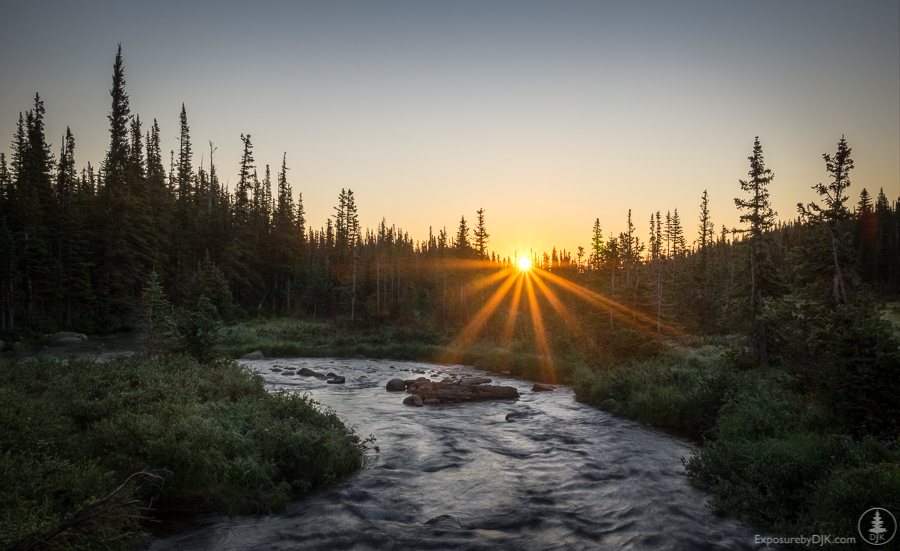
(548, 115)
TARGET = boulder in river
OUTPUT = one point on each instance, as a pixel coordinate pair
(66, 340)
(307, 372)
(69, 335)
(608, 405)
(432, 402)
(467, 389)
(257, 355)
(336, 380)
(395, 385)
(413, 400)
(540, 387)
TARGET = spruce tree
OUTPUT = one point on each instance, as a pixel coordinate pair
(834, 212)
(760, 217)
(481, 235)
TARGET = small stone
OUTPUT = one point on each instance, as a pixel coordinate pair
(275, 370)
(539, 387)
(413, 400)
(608, 405)
(395, 384)
(336, 380)
(257, 355)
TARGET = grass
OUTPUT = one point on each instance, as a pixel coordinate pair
(73, 431)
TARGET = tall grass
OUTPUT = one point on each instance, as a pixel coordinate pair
(71, 431)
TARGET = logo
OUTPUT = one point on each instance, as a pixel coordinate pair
(877, 526)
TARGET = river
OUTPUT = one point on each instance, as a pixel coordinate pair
(541, 472)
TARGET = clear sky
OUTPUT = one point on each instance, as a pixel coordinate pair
(547, 115)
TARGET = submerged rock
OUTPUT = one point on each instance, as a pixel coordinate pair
(444, 521)
(608, 405)
(257, 355)
(69, 335)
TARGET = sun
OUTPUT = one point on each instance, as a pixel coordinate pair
(524, 263)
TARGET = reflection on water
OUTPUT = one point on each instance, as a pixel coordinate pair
(542, 472)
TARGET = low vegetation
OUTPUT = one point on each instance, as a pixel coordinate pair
(207, 437)
(775, 453)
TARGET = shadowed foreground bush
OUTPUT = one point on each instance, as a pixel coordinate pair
(771, 457)
(71, 432)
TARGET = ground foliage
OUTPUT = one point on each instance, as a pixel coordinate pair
(73, 431)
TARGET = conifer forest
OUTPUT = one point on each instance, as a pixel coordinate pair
(79, 242)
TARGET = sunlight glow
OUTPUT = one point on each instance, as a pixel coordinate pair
(524, 263)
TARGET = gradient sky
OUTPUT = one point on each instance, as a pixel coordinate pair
(547, 115)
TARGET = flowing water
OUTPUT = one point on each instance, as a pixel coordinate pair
(541, 472)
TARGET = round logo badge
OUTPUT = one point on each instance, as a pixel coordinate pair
(877, 526)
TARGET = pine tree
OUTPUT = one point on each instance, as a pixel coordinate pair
(463, 247)
(835, 211)
(185, 168)
(761, 218)
(597, 246)
(481, 236)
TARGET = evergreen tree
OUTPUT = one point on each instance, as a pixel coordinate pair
(481, 236)
(835, 211)
(760, 216)
(462, 245)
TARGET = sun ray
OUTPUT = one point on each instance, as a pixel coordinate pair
(468, 333)
(568, 318)
(540, 335)
(493, 278)
(620, 312)
(513, 312)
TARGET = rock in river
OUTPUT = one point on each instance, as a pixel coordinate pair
(395, 384)
(414, 400)
(257, 355)
(336, 380)
(467, 389)
(539, 387)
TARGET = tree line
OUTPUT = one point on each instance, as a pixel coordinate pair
(77, 248)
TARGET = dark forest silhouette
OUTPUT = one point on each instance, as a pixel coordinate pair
(78, 248)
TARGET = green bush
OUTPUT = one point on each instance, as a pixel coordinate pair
(72, 431)
(798, 483)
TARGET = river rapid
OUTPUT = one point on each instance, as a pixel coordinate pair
(541, 472)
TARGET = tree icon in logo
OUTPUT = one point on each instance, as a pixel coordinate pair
(878, 533)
